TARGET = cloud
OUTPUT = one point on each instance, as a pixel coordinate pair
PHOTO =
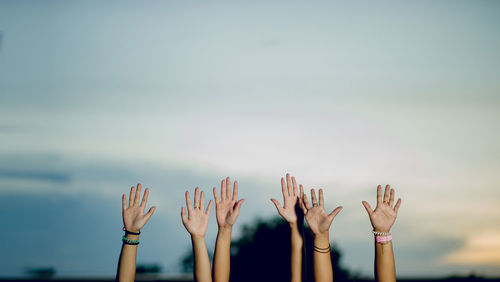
(482, 248)
(58, 177)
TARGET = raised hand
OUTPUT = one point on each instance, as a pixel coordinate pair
(385, 213)
(227, 207)
(290, 198)
(196, 220)
(133, 214)
(316, 217)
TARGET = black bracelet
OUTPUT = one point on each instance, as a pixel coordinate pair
(322, 250)
(130, 232)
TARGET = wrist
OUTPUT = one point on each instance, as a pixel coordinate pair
(225, 228)
(322, 242)
(132, 230)
(197, 238)
(132, 237)
(322, 235)
(382, 230)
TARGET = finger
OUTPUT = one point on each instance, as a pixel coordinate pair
(306, 203)
(277, 205)
(294, 183)
(237, 206)
(313, 197)
(183, 215)
(391, 199)
(202, 200)
(228, 188)
(334, 213)
(209, 207)
(386, 194)
(321, 199)
(124, 202)
(301, 195)
(188, 203)
(131, 197)
(145, 198)
(222, 188)
(283, 188)
(150, 213)
(235, 191)
(289, 188)
(196, 197)
(398, 203)
(367, 208)
(137, 194)
(216, 198)
(379, 195)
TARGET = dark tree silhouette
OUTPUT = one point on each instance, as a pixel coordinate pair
(42, 272)
(262, 253)
(187, 261)
(148, 269)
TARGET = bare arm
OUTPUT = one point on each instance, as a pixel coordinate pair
(133, 220)
(289, 213)
(227, 211)
(382, 219)
(319, 222)
(196, 223)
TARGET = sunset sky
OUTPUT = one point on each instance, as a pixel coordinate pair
(97, 96)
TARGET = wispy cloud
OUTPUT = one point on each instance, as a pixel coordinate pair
(57, 177)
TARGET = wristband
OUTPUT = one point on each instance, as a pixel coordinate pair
(129, 241)
(383, 239)
(130, 232)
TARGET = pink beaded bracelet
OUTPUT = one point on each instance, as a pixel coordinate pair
(383, 239)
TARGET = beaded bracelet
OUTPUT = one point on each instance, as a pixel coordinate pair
(380, 233)
(130, 241)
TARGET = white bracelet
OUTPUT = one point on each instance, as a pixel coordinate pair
(381, 233)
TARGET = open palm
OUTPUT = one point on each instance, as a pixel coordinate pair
(290, 198)
(196, 219)
(385, 213)
(227, 208)
(316, 217)
(133, 214)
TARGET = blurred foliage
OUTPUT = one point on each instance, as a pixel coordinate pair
(42, 272)
(148, 268)
(187, 261)
(263, 253)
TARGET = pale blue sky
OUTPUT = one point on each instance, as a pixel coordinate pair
(95, 97)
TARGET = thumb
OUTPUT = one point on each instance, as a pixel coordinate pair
(277, 205)
(238, 205)
(334, 213)
(150, 213)
(183, 215)
(367, 208)
(207, 211)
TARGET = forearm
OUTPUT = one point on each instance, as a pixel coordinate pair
(222, 255)
(385, 270)
(202, 271)
(127, 263)
(322, 259)
(296, 252)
